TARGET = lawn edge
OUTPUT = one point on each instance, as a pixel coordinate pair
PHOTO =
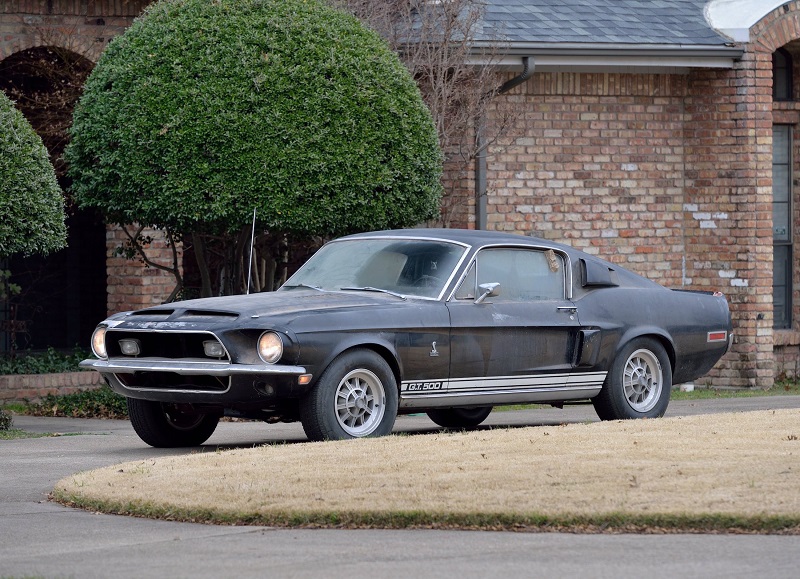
(610, 523)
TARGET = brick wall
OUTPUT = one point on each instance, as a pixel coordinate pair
(787, 354)
(458, 206)
(597, 161)
(665, 174)
(132, 284)
(32, 387)
(83, 26)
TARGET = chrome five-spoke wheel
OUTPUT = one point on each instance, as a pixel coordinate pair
(355, 396)
(360, 403)
(638, 383)
(643, 380)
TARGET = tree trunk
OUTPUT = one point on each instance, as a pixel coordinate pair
(202, 264)
(241, 255)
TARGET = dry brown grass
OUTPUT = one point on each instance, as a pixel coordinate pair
(734, 470)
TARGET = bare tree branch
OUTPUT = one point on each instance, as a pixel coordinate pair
(136, 246)
(436, 42)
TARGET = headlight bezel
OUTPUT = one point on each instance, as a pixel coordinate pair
(270, 347)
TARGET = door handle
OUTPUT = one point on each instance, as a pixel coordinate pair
(568, 309)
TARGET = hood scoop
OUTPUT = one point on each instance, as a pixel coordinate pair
(181, 315)
(203, 316)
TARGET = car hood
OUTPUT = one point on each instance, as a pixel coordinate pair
(272, 304)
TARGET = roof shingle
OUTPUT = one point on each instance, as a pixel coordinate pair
(678, 22)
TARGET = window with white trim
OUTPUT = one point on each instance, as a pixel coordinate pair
(782, 226)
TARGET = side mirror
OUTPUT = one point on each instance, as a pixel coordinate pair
(488, 290)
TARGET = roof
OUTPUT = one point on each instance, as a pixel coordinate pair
(472, 237)
(593, 34)
(600, 21)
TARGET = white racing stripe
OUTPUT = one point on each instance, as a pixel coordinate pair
(503, 383)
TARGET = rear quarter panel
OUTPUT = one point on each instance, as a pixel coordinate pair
(680, 320)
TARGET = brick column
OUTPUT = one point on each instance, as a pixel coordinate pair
(728, 207)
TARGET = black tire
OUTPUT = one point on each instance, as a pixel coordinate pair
(165, 426)
(464, 418)
(356, 396)
(638, 384)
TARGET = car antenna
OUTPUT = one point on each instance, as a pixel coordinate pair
(252, 245)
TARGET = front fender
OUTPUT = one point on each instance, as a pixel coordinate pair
(316, 354)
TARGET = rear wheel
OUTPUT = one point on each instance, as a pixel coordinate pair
(460, 417)
(638, 384)
(355, 397)
(166, 426)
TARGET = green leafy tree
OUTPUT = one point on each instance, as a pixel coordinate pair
(31, 203)
(202, 112)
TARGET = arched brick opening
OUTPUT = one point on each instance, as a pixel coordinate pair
(45, 82)
(779, 31)
(82, 29)
(63, 294)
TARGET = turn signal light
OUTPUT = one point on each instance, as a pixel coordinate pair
(130, 347)
(213, 349)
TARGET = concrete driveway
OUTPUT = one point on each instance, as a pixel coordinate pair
(39, 538)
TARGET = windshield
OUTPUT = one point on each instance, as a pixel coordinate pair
(410, 267)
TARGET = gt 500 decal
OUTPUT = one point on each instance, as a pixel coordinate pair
(423, 386)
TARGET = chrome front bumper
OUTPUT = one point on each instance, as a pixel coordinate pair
(188, 367)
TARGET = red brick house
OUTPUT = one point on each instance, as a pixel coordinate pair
(658, 135)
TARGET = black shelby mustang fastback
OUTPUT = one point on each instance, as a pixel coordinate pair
(448, 322)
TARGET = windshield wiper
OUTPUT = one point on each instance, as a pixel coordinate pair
(374, 289)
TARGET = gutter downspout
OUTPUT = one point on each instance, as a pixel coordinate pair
(528, 66)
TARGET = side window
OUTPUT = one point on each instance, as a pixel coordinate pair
(466, 291)
(523, 274)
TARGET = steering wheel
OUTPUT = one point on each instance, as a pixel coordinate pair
(427, 281)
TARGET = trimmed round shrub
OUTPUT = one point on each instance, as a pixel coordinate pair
(203, 111)
(31, 202)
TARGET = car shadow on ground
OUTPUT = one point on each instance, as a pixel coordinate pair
(409, 426)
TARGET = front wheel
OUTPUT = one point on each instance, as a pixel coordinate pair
(460, 417)
(166, 426)
(638, 384)
(356, 396)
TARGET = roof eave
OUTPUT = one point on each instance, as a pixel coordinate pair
(578, 56)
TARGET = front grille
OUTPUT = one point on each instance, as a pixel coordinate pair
(171, 381)
(170, 345)
(166, 345)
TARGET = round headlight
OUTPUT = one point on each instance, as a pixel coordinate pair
(270, 347)
(99, 342)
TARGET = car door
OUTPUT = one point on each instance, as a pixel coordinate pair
(521, 340)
